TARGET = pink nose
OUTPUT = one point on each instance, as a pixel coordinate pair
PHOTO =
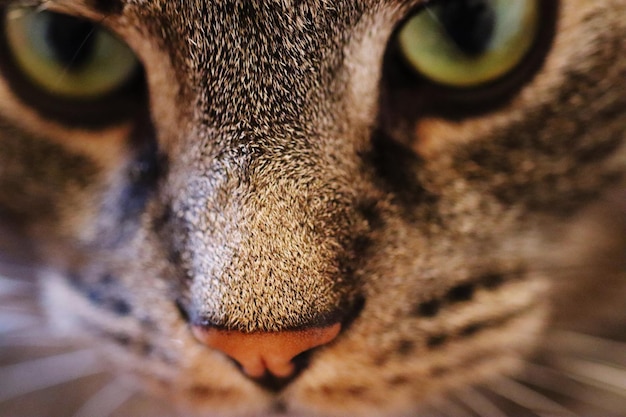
(266, 351)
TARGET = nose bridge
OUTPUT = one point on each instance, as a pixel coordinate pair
(265, 235)
(266, 212)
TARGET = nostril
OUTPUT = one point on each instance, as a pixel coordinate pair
(262, 353)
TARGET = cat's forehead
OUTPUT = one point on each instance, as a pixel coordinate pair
(117, 6)
(336, 12)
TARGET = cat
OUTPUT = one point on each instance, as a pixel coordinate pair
(312, 207)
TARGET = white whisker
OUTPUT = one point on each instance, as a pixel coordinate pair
(37, 338)
(433, 408)
(608, 377)
(429, 411)
(108, 399)
(478, 403)
(562, 270)
(448, 408)
(551, 378)
(24, 301)
(556, 381)
(13, 286)
(587, 345)
(12, 322)
(16, 308)
(6, 278)
(15, 269)
(26, 377)
(528, 398)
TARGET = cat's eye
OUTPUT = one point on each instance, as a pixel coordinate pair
(69, 68)
(67, 56)
(469, 43)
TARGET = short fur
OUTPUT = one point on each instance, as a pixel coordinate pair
(275, 181)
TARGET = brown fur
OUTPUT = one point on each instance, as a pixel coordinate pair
(294, 186)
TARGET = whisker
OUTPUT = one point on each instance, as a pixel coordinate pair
(13, 322)
(15, 269)
(15, 308)
(432, 408)
(478, 403)
(38, 338)
(555, 381)
(26, 377)
(107, 400)
(583, 344)
(564, 269)
(528, 398)
(429, 411)
(447, 407)
(45, 4)
(9, 285)
(608, 377)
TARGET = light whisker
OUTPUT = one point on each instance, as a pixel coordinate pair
(448, 408)
(34, 375)
(609, 377)
(33, 339)
(12, 322)
(587, 345)
(11, 286)
(556, 381)
(107, 400)
(15, 308)
(528, 398)
(478, 403)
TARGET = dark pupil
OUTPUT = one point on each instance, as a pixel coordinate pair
(469, 23)
(72, 40)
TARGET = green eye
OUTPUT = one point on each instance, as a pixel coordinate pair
(67, 56)
(467, 43)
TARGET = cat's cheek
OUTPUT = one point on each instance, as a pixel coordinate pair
(65, 166)
(434, 136)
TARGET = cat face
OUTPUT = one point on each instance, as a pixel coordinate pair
(271, 167)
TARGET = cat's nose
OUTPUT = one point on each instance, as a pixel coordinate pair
(260, 353)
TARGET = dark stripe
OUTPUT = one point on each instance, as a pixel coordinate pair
(107, 7)
(472, 329)
(464, 292)
(102, 293)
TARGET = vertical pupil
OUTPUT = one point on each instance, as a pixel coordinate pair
(71, 40)
(469, 23)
